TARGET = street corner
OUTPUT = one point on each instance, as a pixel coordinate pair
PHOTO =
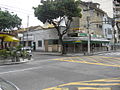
(100, 84)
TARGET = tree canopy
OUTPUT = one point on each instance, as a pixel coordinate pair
(9, 21)
(56, 11)
(53, 9)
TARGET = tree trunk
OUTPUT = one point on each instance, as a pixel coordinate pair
(117, 24)
(60, 38)
(62, 45)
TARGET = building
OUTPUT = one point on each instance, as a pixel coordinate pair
(41, 39)
(76, 40)
(116, 17)
(107, 27)
(90, 23)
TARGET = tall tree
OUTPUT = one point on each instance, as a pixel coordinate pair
(56, 11)
(9, 21)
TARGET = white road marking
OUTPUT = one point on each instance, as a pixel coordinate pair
(33, 68)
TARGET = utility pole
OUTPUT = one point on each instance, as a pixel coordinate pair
(88, 32)
(27, 28)
(114, 32)
(88, 28)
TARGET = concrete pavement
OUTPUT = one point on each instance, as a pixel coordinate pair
(45, 72)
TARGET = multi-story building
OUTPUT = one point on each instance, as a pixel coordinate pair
(107, 27)
(92, 23)
(116, 16)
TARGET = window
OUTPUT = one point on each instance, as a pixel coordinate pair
(109, 31)
(30, 43)
(53, 42)
(39, 43)
(98, 14)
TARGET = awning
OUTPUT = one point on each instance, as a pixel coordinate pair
(71, 42)
(11, 39)
(85, 40)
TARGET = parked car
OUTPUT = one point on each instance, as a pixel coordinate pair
(28, 49)
(7, 85)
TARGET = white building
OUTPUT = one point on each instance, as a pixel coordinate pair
(107, 27)
(41, 39)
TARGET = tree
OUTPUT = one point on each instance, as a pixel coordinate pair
(9, 21)
(56, 11)
(118, 26)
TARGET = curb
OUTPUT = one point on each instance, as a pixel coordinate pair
(77, 54)
(13, 63)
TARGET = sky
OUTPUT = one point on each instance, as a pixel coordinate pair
(23, 8)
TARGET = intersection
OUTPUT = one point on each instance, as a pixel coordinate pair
(52, 72)
(100, 84)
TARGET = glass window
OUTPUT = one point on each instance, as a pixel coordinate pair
(30, 43)
(39, 43)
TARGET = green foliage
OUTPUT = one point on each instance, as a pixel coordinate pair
(14, 53)
(56, 11)
(4, 54)
(53, 9)
(9, 21)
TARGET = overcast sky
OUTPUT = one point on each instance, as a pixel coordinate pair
(23, 8)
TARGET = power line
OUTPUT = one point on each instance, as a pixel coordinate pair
(15, 7)
(13, 10)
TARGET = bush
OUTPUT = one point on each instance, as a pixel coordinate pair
(14, 53)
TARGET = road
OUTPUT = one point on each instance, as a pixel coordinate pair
(70, 73)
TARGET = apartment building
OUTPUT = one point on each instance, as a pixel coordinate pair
(92, 22)
(107, 27)
(116, 16)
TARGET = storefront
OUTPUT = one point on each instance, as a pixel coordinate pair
(80, 45)
(7, 40)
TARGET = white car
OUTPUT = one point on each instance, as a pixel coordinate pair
(28, 49)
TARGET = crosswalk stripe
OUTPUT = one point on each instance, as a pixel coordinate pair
(91, 88)
(92, 63)
(99, 84)
(100, 60)
(55, 88)
(90, 84)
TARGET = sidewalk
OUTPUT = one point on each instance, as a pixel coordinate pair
(71, 54)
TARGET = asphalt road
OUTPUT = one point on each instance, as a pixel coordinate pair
(45, 72)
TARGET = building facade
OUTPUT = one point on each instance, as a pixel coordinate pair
(90, 23)
(107, 27)
(76, 39)
(42, 39)
(116, 17)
